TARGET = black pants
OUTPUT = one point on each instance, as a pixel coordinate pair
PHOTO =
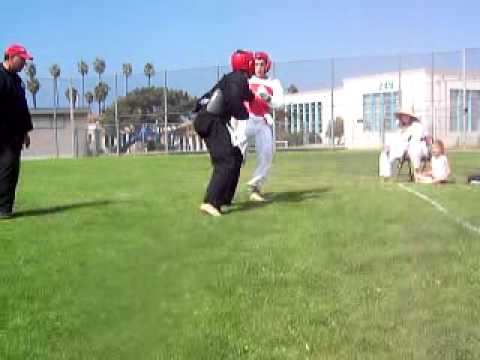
(227, 161)
(9, 171)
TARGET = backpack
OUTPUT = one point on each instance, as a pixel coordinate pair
(474, 179)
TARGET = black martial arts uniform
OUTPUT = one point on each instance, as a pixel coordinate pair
(15, 123)
(213, 128)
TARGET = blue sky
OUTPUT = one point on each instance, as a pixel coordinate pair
(184, 34)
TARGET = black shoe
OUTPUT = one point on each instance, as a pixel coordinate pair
(6, 215)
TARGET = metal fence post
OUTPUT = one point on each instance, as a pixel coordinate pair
(117, 125)
(465, 107)
(400, 81)
(332, 110)
(274, 126)
(55, 104)
(165, 94)
(434, 130)
(72, 119)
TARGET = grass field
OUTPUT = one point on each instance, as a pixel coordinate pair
(110, 258)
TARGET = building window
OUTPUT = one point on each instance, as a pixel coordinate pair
(313, 116)
(457, 108)
(307, 116)
(318, 119)
(299, 117)
(379, 109)
(293, 119)
(288, 116)
(306, 121)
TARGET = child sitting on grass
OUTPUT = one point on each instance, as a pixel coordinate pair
(440, 169)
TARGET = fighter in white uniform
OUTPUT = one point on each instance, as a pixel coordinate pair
(260, 125)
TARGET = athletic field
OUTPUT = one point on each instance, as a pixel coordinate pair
(110, 258)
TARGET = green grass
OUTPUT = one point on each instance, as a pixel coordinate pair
(110, 258)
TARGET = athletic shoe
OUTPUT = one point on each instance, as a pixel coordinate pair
(253, 188)
(210, 209)
(255, 196)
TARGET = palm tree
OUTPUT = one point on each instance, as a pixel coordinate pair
(89, 99)
(99, 66)
(74, 93)
(101, 93)
(127, 71)
(149, 71)
(55, 72)
(31, 70)
(83, 70)
(33, 86)
(292, 89)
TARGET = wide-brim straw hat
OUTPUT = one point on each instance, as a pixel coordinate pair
(406, 112)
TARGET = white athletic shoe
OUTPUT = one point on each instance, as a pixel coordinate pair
(210, 209)
(255, 196)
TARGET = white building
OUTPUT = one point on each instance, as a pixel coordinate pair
(367, 105)
(309, 112)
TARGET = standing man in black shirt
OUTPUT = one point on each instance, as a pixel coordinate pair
(15, 123)
(215, 109)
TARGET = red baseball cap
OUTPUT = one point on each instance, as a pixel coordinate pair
(16, 49)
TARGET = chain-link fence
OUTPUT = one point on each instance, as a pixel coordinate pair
(348, 102)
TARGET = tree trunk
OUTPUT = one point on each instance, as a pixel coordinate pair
(34, 99)
(126, 85)
(55, 104)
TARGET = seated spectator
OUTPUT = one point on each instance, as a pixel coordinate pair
(440, 169)
(411, 139)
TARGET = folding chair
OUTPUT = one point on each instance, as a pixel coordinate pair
(401, 162)
(424, 161)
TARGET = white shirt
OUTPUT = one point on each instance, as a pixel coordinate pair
(259, 107)
(415, 131)
(440, 168)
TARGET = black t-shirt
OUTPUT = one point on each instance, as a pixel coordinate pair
(15, 119)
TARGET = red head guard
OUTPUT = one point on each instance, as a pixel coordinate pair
(264, 56)
(243, 60)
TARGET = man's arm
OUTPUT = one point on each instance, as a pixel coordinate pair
(237, 93)
(278, 94)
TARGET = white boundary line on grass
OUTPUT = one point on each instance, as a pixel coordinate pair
(441, 209)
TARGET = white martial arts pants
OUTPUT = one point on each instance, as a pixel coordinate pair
(257, 128)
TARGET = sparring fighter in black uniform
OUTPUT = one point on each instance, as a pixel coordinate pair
(214, 111)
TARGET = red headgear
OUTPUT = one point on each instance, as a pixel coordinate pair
(264, 56)
(16, 49)
(243, 60)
